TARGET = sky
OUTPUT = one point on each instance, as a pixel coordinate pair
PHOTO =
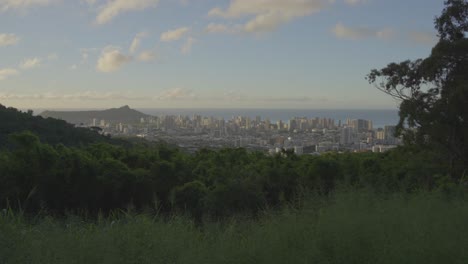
(307, 54)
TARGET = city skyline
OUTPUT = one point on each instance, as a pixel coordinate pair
(206, 54)
(304, 135)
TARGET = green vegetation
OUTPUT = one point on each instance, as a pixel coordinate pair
(70, 195)
(101, 177)
(354, 227)
(434, 91)
(52, 131)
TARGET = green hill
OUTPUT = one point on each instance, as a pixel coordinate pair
(49, 130)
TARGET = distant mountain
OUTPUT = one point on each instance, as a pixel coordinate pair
(49, 130)
(123, 114)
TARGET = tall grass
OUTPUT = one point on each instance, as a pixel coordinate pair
(351, 227)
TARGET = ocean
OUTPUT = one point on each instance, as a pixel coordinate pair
(379, 118)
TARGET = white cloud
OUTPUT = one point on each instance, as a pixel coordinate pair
(6, 73)
(137, 41)
(344, 32)
(115, 7)
(80, 96)
(176, 94)
(111, 60)
(217, 28)
(23, 4)
(8, 39)
(422, 37)
(173, 35)
(147, 55)
(187, 47)
(30, 63)
(268, 15)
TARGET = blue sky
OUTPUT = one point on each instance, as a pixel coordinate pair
(206, 53)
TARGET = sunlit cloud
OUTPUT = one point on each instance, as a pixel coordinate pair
(82, 96)
(187, 47)
(137, 41)
(7, 73)
(173, 35)
(147, 56)
(114, 8)
(23, 4)
(30, 63)
(235, 96)
(112, 59)
(8, 40)
(268, 15)
(176, 94)
(217, 28)
(344, 32)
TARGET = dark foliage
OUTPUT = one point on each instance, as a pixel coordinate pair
(434, 91)
(49, 130)
(102, 177)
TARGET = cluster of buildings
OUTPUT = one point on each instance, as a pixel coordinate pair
(301, 134)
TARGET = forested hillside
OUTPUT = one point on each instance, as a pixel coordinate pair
(102, 177)
(49, 130)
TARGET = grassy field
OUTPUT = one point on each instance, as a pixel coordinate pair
(352, 227)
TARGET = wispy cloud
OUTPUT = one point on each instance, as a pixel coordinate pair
(137, 41)
(147, 55)
(176, 94)
(30, 63)
(217, 28)
(240, 97)
(345, 32)
(111, 59)
(187, 47)
(422, 37)
(23, 4)
(8, 40)
(173, 35)
(7, 73)
(84, 96)
(268, 15)
(114, 8)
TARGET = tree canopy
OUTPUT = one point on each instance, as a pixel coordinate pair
(434, 91)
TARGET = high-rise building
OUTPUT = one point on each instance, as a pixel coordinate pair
(380, 134)
(292, 124)
(346, 137)
(360, 125)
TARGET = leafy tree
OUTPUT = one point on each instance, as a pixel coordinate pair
(190, 198)
(434, 91)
